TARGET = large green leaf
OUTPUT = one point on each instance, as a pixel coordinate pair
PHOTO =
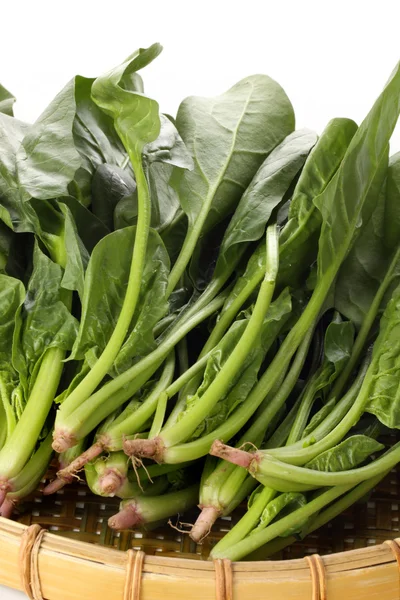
(104, 292)
(265, 192)
(344, 204)
(47, 158)
(384, 389)
(114, 199)
(368, 261)
(45, 320)
(228, 136)
(299, 238)
(136, 117)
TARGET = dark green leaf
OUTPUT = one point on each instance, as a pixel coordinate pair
(104, 292)
(46, 321)
(265, 192)
(289, 500)
(47, 158)
(112, 185)
(136, 117)
(228, 136)
(347, 455)
(299, 238)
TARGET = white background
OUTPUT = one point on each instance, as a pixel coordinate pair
(332, 58)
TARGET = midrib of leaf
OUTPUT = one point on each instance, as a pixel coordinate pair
(194, 232)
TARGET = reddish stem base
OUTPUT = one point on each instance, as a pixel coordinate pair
(204, 523)
(152, 449)
(233, 455)
(126, 518)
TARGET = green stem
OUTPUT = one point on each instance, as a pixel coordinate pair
(141, 510)
(367, 323)
(107, 357)
(19, 447)
(34, 468)
(322, 518)
(138, 418)
(303, 412)
(331, 431)
(271, 467)
(246, 523)
(220, 385)
(197, 368)
(239, 418)
(252, 542)
(86, 417)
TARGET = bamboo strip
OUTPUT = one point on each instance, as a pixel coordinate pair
(72, 570)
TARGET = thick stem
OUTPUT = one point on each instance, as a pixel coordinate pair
(183, 428)
(20, 445)
(271, 467)
(200, 447)
(247, 522)
(35, 467)
(86, 387)
(204, 523)
(147, 509)
(85, 418)
(252, 542)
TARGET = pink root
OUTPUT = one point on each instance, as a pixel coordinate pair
(233, 455)
(62, 441)
(126, 518)
(111, 482)
(204, 523)
(145, 448)
(3, 494)
(56, 485)
(78, 464)
(7, 508)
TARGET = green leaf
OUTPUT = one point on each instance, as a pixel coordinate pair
(136, 117)
(344, 204)
(299, 238)
(347, 455)
(367, 264)
(6, 102)
(288, 502)
(46, 321)
(95, 139)
(265, 192)
(104, 292)
(228, 136)
(169, 147)
(240, 387)
(319, 416)
(383, 392)
(13, 212)
(47, 158)
(113, 189)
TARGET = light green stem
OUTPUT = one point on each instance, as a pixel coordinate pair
(85, 418)
(20, 445)
(107, 357)
(252, 542)
(220, 385)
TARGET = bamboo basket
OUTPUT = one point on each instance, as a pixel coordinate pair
(60, 548)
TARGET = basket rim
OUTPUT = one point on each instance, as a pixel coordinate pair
(379, 560)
